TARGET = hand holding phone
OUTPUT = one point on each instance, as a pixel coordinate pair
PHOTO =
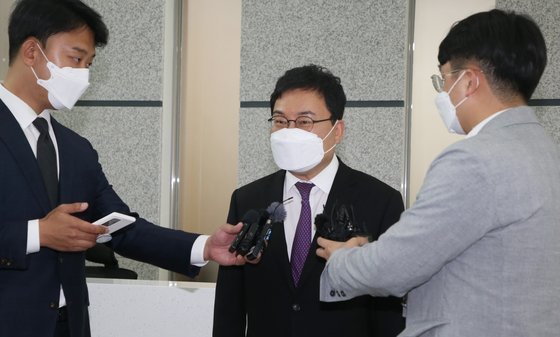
(114, 222)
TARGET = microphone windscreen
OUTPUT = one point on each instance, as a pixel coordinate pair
(251, 216)
(277, 212)
(320, 220)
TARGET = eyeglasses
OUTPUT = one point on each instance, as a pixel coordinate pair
(302, 122)
(439, 81)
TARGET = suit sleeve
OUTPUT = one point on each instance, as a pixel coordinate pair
(142, 241)
(454, 209)
(393, 211)
(229, 304)
(13, 244)
(387, 312)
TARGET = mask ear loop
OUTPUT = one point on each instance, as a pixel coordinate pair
(33, 70)
(328, 134)
(45, 56)
(42, 52)
(464, 99)
(453, 86)
(457, 81)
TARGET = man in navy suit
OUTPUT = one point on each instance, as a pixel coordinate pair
(52, 186)
(279, 296)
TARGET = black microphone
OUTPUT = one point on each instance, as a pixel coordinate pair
(276, 214)
(251, 234)
(249, 218)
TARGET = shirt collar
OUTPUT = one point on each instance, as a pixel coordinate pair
(480, 125)
(21, 111)
(323, 180)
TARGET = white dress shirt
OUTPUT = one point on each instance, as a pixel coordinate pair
(317, 199)
(480, 125)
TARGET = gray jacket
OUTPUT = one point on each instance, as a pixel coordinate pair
(479, 251)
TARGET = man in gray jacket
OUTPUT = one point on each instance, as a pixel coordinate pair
(479, 252)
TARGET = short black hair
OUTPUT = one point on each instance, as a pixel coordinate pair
(44, 18)
(509, 48)
(313, 78)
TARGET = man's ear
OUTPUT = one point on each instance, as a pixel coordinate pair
(339, 131)
(473, 84)
(29, 51)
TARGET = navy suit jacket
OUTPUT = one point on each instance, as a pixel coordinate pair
(30, 283)
(263, 298)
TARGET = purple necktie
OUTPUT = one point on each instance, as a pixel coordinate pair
(302, 239)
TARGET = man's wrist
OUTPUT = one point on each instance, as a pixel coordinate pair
(198, 251)
(33, 238)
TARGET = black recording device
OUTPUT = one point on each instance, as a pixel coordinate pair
(341, 226)
(249, 218)
(250, 236)
(277, 214)
(257, 227)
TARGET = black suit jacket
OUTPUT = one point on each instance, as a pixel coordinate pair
(264, 296)
(30, 283)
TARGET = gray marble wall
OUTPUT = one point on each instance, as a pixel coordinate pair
(5, 10)
(546, 99)
(121, 112)
(361, 41)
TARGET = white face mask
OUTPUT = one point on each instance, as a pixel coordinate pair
(297, 150)
(448, 111)
(65, 86)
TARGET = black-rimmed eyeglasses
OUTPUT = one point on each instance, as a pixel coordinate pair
(302, 122)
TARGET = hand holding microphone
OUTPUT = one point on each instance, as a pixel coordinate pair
(256, 231)
(239, 244)
(277, 214)
(341, 225)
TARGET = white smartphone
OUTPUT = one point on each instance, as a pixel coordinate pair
(114, 222)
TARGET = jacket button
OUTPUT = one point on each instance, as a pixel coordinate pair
(60, 259)
(53, 305)
(296, 307)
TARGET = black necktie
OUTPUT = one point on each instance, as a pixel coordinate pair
(46, 157)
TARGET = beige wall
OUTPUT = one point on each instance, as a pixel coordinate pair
(5, 9)
(428, 134)
(210, 114)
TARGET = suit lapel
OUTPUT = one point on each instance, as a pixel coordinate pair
(65, 162)
(15, 141)
(277, 245)
(279, 250)
(341, 185)
(276, 252)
